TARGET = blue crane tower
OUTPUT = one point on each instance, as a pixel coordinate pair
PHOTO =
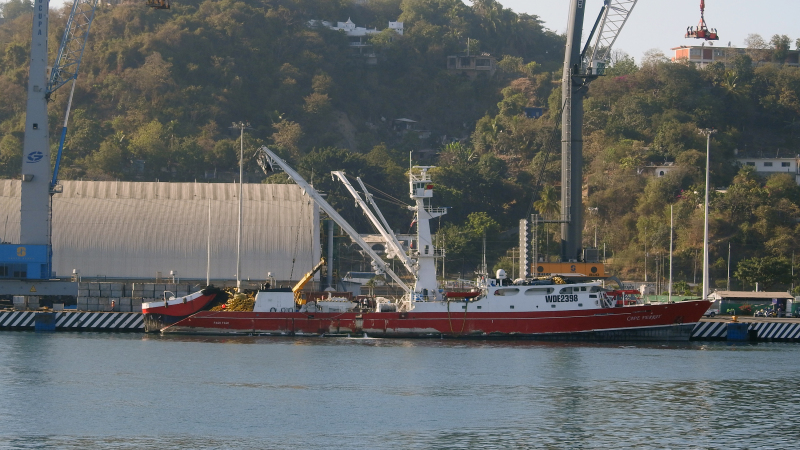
(30, 258)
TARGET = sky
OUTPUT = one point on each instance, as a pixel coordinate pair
(661, 24)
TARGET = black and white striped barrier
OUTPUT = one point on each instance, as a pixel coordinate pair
(75, 321)
(707, 331)
(782, 331)
(776, 330)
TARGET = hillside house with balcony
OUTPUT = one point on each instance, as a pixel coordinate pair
(472, 65)
(358, 37)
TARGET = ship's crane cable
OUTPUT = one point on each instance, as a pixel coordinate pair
(548, 150)
(389, 198)
(296, 243)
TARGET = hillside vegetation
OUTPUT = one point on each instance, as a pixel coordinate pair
(159, 89)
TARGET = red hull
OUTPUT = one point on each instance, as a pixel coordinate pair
(667, 321)
(179, 309)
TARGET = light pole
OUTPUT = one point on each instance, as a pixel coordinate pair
(707, 132)
(241, 127)
(593, 210)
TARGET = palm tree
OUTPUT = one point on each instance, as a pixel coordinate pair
(548, 206)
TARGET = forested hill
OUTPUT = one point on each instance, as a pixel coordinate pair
(158, 90)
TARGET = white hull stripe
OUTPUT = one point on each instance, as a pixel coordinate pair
(76, 321)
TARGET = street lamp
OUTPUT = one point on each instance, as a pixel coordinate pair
(241, 127)
(707, 132)
(593, 210)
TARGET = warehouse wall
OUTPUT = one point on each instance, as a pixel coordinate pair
(134, 230)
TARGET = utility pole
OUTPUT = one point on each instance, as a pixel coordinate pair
(671, 233)
(241, 127)
(707, 132)
(729, 266)
(645, 253)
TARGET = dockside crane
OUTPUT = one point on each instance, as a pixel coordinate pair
(581, 67)
(30, 258)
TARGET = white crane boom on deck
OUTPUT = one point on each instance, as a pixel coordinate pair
(266, 165)
(388, 237)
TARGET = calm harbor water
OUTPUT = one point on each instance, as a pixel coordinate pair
(93, 390)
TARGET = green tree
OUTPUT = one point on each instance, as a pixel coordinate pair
(12, 9)
(780, 47)
(766, 271)
(549, 207)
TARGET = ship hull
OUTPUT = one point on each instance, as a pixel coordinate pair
(161, 314)
(642, 322)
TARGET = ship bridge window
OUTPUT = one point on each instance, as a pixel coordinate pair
(539, 291)
(583, 288)
(566, 290)
(595, 289)
(507, 291)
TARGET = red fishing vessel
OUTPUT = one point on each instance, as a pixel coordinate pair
(555, 307)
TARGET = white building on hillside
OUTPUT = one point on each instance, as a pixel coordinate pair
(766, 166)
(358, 37)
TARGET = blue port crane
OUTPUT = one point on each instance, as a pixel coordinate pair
(65, 69)
(30, 257)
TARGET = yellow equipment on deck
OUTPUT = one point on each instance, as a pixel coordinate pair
(298, 288)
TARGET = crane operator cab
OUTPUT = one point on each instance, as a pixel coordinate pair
(158, 4)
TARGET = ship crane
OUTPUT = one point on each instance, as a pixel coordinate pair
(381, 226)
(298, 288)
(702, 31)
(267, 159)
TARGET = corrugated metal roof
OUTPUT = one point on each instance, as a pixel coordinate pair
(133, 230)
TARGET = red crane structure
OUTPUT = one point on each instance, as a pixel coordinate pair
(702, 31)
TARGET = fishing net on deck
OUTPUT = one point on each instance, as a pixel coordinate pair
(237, 302)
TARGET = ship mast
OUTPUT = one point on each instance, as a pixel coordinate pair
(421, 187)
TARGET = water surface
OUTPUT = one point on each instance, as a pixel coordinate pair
(95, 390)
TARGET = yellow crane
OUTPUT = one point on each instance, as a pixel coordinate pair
(298, 288)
